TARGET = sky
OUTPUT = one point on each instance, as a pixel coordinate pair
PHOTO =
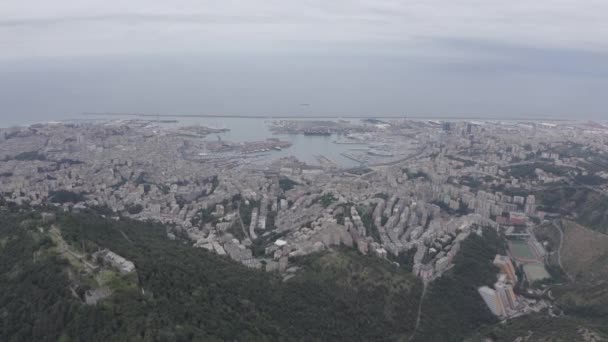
(481, 58)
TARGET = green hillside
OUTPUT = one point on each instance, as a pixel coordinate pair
(543, 328)
(182, 293)
(586, 206)
(452, 308)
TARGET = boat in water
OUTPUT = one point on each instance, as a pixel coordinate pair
(380, 153)
(317, 131)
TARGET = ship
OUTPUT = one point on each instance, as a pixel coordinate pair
(380, 153)
(317, 131)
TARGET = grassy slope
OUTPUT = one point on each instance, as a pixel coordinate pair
(585, 257)
(585, 252)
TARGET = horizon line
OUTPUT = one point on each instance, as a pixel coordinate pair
(299, 116)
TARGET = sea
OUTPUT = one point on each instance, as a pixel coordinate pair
(304, 147)
(242, 129)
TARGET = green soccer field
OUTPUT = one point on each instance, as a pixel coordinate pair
(521, 250)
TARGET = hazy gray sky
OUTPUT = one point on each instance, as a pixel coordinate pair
(364, 57)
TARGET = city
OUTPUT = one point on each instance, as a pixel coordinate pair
(437, 183)
(265, 170)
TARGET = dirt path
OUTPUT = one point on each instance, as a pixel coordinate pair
(419, 312)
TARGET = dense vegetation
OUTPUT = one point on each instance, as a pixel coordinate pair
(134, 209)
(29, 156)
(34, 297)
(287, 184)
(452, 307)
(528, 170)
(191, 294)
(587, 207)
(366, 214)
(584, 299)
(418, 174)
(462, 210)
(474, 183)
(204, 216)
(183, 293)
(381, 195)
(66, 196)
(326, 200)
(540, 328)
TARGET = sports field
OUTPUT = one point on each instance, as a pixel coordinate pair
(521, 250)
(536, 271)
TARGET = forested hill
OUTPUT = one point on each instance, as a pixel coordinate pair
(452, 308)
(180, 293)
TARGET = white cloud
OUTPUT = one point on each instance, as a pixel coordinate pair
(75, 27)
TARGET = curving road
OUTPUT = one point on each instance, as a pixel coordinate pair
(559, 249)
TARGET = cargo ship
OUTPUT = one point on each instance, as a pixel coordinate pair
(312, 131)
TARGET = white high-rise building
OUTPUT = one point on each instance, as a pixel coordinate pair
(492, 300)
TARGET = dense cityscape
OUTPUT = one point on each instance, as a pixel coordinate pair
(421, 189)
(287, 171)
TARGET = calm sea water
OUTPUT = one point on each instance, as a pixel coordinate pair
(304, 147)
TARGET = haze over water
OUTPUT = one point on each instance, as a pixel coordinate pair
(431, 58)
(333, 86)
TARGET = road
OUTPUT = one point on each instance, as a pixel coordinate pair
(559, 249)
(413, 156)
(394, 162)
